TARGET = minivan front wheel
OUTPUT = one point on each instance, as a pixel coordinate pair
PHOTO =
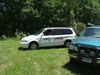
(33, 46)
(66, 44)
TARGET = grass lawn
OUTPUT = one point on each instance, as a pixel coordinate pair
(49, 61)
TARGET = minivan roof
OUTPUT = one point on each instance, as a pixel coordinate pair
(58, 28)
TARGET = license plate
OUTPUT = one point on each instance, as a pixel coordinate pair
(88, 60)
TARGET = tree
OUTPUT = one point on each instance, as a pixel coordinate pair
(32, 15)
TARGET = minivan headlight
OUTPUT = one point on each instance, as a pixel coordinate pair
(73, 47)
(24, 41)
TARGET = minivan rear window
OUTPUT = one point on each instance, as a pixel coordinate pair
(61, 31)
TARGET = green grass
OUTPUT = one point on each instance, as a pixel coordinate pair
(49, 61)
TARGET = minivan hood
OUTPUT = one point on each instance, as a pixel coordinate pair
(87, 41)
(30, 37)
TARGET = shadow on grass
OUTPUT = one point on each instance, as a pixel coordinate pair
(45, 48)
(82, 68)
(23, 49)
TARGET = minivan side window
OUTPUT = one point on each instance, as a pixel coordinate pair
(61, 31)
(48, 32)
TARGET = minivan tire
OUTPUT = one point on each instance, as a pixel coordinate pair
(33, 46)
(66, 44)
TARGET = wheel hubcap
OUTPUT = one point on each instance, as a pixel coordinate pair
(67, 44)
(33, 46)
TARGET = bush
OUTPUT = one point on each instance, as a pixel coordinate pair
(79, 27)
(20, 34)
(3, 37)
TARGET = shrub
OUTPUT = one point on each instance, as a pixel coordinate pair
(3, 37)
(20, 34)
(79, 27)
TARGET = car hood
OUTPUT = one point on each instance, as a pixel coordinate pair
(30, 37)
(87, 41)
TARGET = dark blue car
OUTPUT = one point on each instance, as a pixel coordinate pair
(86, 48)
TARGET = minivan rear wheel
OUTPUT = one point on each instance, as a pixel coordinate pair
(66, 44)
(33, 46)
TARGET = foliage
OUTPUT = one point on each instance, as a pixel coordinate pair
(3, 37)
(88, 11)
(20, 34)
(80, 27)
(29, 16)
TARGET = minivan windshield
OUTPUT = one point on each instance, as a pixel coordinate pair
(39, 32)
(91, 32)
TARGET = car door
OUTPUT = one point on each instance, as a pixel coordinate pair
(47, 38)
(58, 37)
(61, 35)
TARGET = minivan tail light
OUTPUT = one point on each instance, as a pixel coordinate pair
(75, 36)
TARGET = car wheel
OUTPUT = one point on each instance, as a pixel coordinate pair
(67, 43)
(33, 46)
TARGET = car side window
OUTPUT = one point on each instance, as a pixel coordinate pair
(48, 32)
(61, 31)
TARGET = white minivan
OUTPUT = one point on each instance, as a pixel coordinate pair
(47, 37)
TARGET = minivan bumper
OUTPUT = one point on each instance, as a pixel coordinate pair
(24, 44)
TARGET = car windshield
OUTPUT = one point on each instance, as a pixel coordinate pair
(91, 32)
(39, 32)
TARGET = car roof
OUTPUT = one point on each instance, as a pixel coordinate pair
(58, 28)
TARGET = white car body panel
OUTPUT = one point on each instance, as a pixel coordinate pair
(51, 40)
